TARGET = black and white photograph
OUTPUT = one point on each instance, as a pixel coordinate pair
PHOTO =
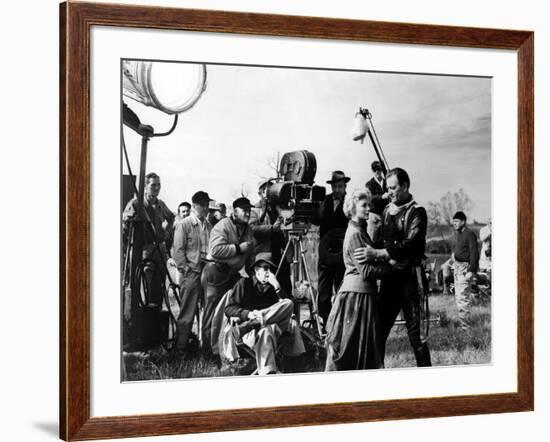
(282, 220)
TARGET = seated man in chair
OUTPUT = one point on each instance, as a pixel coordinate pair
(265, 313)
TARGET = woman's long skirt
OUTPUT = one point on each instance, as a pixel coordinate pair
(352, 326)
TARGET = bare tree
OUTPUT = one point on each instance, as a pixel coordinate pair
(272, 169)
(243, 191)
(442, 212)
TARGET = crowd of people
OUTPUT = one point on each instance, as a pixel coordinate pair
(371, 248)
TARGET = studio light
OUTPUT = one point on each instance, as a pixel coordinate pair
(172, 88)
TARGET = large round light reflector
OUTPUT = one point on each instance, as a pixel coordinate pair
(170, 87)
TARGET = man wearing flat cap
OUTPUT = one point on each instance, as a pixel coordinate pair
(191, 238)
(465, 263)
(332, 226)
(230, 249)
(265, 313)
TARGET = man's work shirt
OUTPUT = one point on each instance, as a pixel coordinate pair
(158, 213)
(248, 294)
(191, 238)
(466, 250)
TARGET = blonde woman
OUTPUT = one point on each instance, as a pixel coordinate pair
(352, 327)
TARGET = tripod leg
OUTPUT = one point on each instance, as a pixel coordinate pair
(312, 295)
(283, 257)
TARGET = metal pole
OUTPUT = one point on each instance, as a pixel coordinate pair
(138, 231)
(311, 294)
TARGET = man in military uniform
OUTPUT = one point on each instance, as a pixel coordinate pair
(404, 225)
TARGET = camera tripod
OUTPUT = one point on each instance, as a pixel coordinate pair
(300, 274)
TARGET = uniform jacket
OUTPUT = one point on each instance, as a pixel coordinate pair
(404, 234)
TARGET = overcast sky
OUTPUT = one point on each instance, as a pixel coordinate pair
(438, 128)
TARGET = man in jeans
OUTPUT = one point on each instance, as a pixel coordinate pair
(465, 263)
(191, 238)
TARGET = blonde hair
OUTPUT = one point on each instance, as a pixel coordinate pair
(351, 201)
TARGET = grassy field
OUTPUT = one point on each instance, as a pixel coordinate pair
(448, 345)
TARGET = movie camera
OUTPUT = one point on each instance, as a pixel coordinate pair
(293, 191)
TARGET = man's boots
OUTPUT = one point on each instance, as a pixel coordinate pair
(422, 355)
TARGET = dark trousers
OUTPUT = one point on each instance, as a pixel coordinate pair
(154, 276)
(330, 279)
(191, 293)
(217, 279)
(400, 292)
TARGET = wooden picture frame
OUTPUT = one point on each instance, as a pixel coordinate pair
(76, 20)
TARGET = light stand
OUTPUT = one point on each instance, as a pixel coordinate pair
(171, 88)
(147, 324)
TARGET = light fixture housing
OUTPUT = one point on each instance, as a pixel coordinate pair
(170, 87)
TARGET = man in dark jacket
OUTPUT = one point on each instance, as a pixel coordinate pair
(265, 313)
(404, 225)
(377, 184)
(332, 226)
(464, 263)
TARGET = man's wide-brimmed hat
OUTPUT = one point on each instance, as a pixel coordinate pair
(265, 257)
(338, 176)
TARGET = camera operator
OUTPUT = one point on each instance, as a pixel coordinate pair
(332, 224)
(231, 248)
(266, 226)
(162, 219)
